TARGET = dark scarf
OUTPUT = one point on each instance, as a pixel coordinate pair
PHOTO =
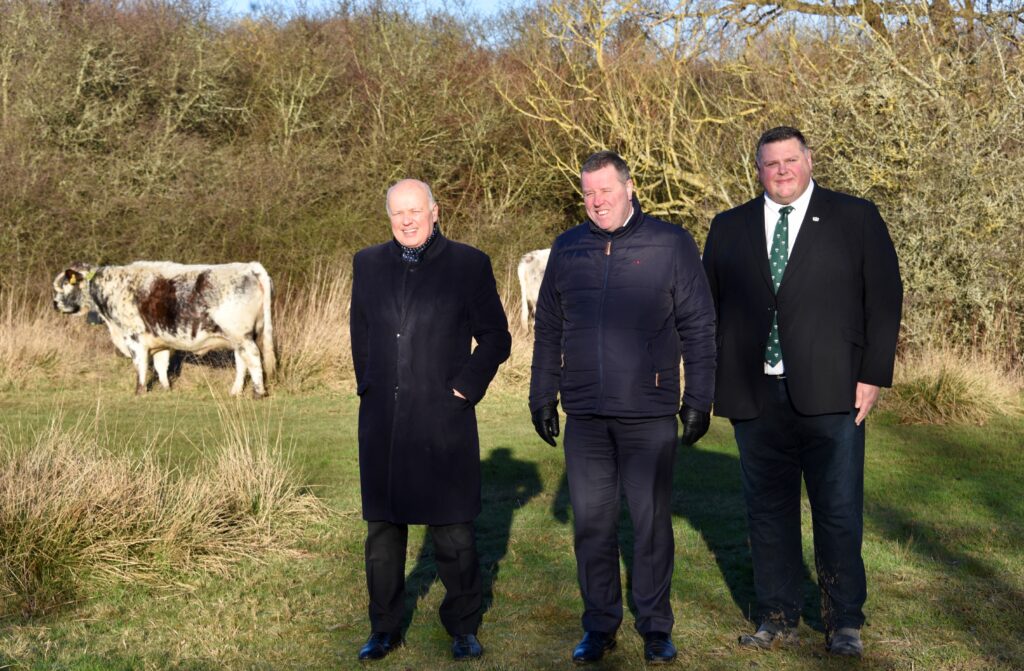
(413, 254)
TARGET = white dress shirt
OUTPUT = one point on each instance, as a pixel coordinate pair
(796, 220)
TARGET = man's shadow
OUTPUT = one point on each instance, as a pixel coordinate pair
(708, 493)
(508, 484)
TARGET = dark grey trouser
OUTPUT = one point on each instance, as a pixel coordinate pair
(606, 457)
(457, 565)
(776, 448)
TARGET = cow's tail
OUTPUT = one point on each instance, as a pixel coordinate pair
(267, 335)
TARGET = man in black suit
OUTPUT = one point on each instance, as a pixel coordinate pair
(808, 296)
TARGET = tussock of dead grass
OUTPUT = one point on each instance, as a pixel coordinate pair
(313, 336)
(34, 343)
(944, 386)
(72, 512)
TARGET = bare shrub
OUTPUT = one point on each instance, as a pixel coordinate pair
(74, 513)
(945, 386)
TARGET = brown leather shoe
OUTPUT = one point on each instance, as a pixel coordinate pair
(770, 635)
(845, 642)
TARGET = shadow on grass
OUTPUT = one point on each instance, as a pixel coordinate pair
(978, 596)
(708, 494)
(508, 484)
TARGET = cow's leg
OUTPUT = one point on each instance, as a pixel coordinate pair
(524, 315)
(140, 357)
(251, 354)
(161, 363)
(240, 367)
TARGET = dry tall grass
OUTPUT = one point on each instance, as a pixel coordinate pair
(34, 344)
(945, 386)
(72, 512)
(313, 335)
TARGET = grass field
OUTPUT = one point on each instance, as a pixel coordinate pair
(944, 521)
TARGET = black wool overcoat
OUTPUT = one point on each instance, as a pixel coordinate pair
(413, 326)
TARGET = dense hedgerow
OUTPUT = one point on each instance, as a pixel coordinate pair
(158, 130)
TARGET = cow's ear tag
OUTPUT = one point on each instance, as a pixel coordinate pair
(73, 279)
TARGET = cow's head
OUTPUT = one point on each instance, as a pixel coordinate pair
(70, 288)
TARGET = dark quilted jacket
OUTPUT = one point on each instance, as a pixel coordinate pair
(615, 313)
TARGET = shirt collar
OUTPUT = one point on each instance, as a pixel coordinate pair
(800, 204)
(628, 217)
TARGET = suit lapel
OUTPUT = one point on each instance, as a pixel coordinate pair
(813, 226)
(754, 225)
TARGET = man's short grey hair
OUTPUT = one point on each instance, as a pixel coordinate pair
(602, 159)
(778, 134)
(426, 187)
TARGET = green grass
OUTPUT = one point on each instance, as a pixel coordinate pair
(944, 517)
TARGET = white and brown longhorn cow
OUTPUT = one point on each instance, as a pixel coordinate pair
(531, 273)
(155, 307)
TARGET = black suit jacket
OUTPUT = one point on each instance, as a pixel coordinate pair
(839, 304)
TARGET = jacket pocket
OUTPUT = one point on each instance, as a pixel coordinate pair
(854, 336)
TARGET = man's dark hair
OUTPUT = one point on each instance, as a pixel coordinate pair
(778, 134)
(603, 159)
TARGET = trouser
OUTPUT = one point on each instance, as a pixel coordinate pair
(457, 565)
(775, 448)
(604, 458)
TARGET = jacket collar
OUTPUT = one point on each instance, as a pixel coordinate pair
(432, 251)
(633, 223)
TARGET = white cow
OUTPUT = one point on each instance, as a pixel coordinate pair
(531, 272)
(155, 307)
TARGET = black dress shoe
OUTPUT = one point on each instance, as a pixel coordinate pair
(592, 647)
(658, 648)
(379, 645)
(465, 646)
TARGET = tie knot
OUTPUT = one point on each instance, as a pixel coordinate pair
(784, 211)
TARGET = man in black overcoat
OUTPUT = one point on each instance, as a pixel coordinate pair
(624, 297)
(808, 295)
(418, 302)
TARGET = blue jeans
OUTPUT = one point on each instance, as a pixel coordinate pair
(828, 450)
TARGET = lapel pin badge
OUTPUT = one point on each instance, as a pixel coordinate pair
(815, 219)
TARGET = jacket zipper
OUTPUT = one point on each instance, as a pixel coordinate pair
(600, 326)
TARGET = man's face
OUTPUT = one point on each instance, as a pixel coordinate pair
(606, 198)
(412, 215)
(784, 170)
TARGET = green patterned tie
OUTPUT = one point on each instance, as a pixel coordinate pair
(778, 257)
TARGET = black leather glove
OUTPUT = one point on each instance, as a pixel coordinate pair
(545, 420)
(695, 425)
